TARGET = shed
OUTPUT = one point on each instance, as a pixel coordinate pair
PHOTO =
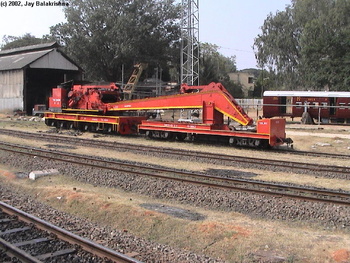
(28, 74)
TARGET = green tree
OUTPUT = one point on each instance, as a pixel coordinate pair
(214, 67)
(103, 35)
(263, 82)
(235, 89)
(326, 48)
(277, 47)
(22, 41)
(307, 45)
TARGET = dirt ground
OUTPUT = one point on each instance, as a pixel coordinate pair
(229, 235)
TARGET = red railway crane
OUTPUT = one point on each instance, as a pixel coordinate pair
(100, 108)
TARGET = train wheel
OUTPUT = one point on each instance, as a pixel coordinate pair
(149, 134)
(154, 134)
(164, 135)
(60, 124)
(108, 129)
(71, 126)
(81, 126)
(181, 136)
(232, 141)
(192, 137)
(254, 142)
(167, 135)
(93, 128)
(241, 141)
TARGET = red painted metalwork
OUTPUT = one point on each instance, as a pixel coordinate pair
(58, 100)
(274, 128)
(214, 99)
(85, 97)
(271, 130)
(87, 110)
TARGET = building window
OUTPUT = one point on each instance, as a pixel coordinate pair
(250, 80)
(298, 103)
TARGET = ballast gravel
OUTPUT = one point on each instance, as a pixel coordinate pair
(255, 205)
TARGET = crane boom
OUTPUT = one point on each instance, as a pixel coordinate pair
(214, 99)
(134, 78)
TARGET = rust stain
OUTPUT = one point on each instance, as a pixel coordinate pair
(212, 227)
(341, 255)
(106, 205)
(7, 174)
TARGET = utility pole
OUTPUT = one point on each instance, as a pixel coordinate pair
(190, 42)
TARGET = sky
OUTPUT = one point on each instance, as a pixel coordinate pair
(230, 24)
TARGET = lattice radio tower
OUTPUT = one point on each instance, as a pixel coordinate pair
(190, 42)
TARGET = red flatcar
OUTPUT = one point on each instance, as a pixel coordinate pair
(321, 105)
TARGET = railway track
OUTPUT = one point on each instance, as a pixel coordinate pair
(31, 239)
(332, 171)
(314, 154)
(96, 142)
(236, 184)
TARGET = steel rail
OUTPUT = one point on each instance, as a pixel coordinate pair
(119, 164)
(14, 251)
(201, 179)
(198, 154)
(65, 235)
(173, 151)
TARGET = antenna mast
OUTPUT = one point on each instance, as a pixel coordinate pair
(190, 42)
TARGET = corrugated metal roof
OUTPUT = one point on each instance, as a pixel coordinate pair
(19, 58)
(19, 61)
(307, 94)
(27, 49)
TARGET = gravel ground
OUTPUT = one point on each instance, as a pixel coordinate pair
(143, 250)
(334, 216)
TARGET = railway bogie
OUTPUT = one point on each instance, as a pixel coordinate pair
(84, 122)
(163, 135)
(233, 140)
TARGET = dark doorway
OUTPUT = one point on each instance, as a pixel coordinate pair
(332, 104)
(283, 103)
(39, 83)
